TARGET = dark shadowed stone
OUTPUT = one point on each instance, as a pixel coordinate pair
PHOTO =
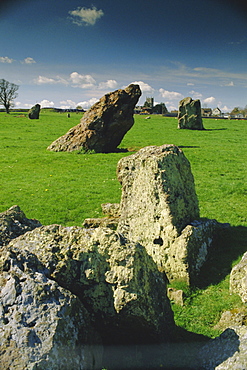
(34, 112)
(189, 114)
(104, 125)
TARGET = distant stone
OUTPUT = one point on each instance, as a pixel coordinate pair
(104, 125)
(189, 114)
(238, 279)
(34, 112)
(14, 223)
(176, 295)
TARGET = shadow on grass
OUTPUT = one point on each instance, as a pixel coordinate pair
(228, 247)
(215, 129)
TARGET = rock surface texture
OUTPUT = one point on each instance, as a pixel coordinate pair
(238, 279)
(159, 209)
(104, 125)
(34, 112)
(189, 114)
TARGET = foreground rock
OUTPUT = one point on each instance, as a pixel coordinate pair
(34, 112)
(116, 280)
(227, 352)
(43, 326)
(238, 279)
(189, 114)
(159, 209)
(104, 125)
(14, 223)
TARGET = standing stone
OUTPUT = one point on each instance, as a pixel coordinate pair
(189, 114)
(159, 209)
(104, 125)
(34, 112)
(238, 279)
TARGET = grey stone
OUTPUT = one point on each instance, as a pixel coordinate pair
(13, 223)
(189, 114)
(43, 326)
(34, 112)
(104, 125)
(238, 279)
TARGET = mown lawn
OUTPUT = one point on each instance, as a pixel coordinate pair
(65, 188)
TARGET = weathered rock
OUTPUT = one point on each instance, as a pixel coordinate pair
(189, 114)
(234, 317)
(111, 209)
(13, 223)
(159, 209)
(34, 112)
(238, 279)
(43, 326)
(176, 295)
(110, 222)
(104, 125)
(116, 280)
(227, 352)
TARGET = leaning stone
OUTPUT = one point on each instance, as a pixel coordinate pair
(34, 112)
(238, 279)
(189, 114)
(43, 326)
(116, 280)
(13, 223)
(104, 125)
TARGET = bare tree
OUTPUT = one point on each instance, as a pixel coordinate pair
(7, 94)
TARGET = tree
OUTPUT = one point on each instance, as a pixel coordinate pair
(160, 109)
(7, 94)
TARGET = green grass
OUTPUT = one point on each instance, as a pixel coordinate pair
(65, 188)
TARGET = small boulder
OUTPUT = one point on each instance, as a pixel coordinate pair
(189, 114)
(34, 112)
(104, 125)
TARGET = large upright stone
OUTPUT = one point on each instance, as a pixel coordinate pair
(159, 209)
(34, 112)
(104, 125)
(189, 114)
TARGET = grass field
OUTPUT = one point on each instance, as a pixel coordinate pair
(65, 188)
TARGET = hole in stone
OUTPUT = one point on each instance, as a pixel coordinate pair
(158, 241)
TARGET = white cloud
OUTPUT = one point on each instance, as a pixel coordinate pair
(82, 81)
(67, 104)
(230, 84)
(29, 61)
(87, 104)
(170, 95)
(109, 84)
(46, 80)
(209, 100)
(190, 84)
(195, 94)
(46, 104)
(6, 60)
(86, 16)
(145, 88)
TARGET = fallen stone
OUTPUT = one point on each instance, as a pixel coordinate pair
(103, 222)
(34, 112)
(189, 114)
(13, 223)
(104, 125)
(115, 279)
(43, 326)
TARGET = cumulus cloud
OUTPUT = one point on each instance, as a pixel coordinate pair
(47, 80)
(109, 84)
(87, 104)
(190, 84)
(209, 100)
(170, 95)
(145, 88)
(82, 81)
(230, 84)
(6, 60)
(67, 104)
(195, 94)
(28, 61)
(86, 16)
(46, 104)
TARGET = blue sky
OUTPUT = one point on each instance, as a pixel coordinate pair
(71, 52)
